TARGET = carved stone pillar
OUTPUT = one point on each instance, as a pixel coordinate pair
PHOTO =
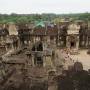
(67, 42)
(77, 42)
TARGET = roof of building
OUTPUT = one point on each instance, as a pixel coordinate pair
(39, 23)
(52, 30)
(39, 30)
(45, 31)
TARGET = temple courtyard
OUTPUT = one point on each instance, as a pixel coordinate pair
(82, 57)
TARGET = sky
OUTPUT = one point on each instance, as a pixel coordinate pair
(44, 6)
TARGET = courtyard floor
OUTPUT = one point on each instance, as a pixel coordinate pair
(83, 57)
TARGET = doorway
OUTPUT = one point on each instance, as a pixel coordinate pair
(72, 44)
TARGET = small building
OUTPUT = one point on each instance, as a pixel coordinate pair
(72, 40)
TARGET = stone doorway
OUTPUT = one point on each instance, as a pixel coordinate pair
(38, 46)
(39, 61)
(72, 44)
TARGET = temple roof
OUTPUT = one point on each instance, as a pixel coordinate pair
(39, 23)
(45, 31)
(39, 31)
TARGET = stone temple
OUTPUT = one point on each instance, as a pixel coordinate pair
(31, 54)
(65, 34)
